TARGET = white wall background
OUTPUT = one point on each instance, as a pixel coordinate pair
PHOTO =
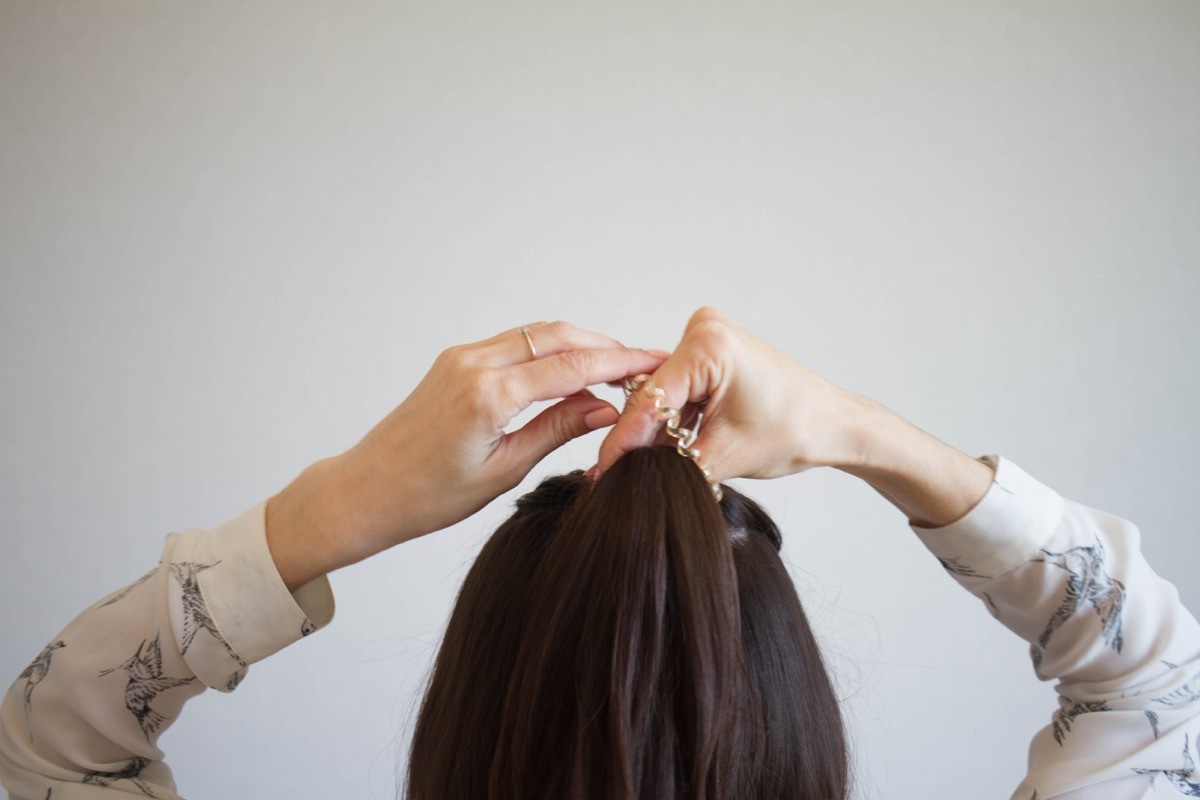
(233, 235)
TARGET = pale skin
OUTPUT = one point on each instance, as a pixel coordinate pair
(443, 453)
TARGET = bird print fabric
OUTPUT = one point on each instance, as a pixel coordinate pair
(145, 650)
(195, 612)
(1088, 584)
(146, 681)
(35, 672)
(1183, 780)
(121, 595)
(1072, 582)
(131, 773)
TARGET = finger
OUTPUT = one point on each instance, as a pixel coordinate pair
(638, 426)
(566, 373)
(554, 338)
(694, 374)
(683, 378)
(554, 427)
(707, 314)
(544, 339)
(716, 453)
(712, 445)
(663, 354)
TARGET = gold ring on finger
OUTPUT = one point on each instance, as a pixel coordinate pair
(529, 341)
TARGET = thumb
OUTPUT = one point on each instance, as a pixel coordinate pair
(567, 419)
(715, 455)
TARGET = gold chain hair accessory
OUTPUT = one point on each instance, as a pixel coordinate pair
(684, 437)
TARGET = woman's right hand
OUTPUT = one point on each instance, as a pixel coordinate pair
(764, 414)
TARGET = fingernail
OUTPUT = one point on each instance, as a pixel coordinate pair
(592, 473)
(658, 353)
(600, 418)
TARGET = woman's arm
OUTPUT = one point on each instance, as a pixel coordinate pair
(1124, 652)
(84, 718)
(86, 715)
(931, 482)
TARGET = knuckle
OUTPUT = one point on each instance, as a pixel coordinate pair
(479, 388)
(453, 356)
(712, 334)
(707, 314)
(578, 362)
(558, 329)
(564, 428)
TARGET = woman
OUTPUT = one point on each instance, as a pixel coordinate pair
(84, 716)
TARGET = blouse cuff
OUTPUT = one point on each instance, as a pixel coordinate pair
(251, 610)
(1012, 522)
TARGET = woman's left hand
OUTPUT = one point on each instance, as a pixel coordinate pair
(443, 453)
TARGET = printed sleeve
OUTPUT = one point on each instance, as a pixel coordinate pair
(83, 719)
(1071, 580)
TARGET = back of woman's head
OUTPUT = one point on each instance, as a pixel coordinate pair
(631, 639)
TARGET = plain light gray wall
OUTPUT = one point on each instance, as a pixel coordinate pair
(233, 235)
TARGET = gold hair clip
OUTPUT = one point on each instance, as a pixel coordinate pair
(684, 437)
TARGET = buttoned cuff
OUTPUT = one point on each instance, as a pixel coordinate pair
(1007, 527)
(226, 577)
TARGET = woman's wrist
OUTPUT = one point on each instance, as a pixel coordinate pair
(337, 513)
(298, 519)
(933, 483)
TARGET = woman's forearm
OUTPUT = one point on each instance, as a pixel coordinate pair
(931, 482)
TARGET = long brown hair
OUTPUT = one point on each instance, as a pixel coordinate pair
(631, 639)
